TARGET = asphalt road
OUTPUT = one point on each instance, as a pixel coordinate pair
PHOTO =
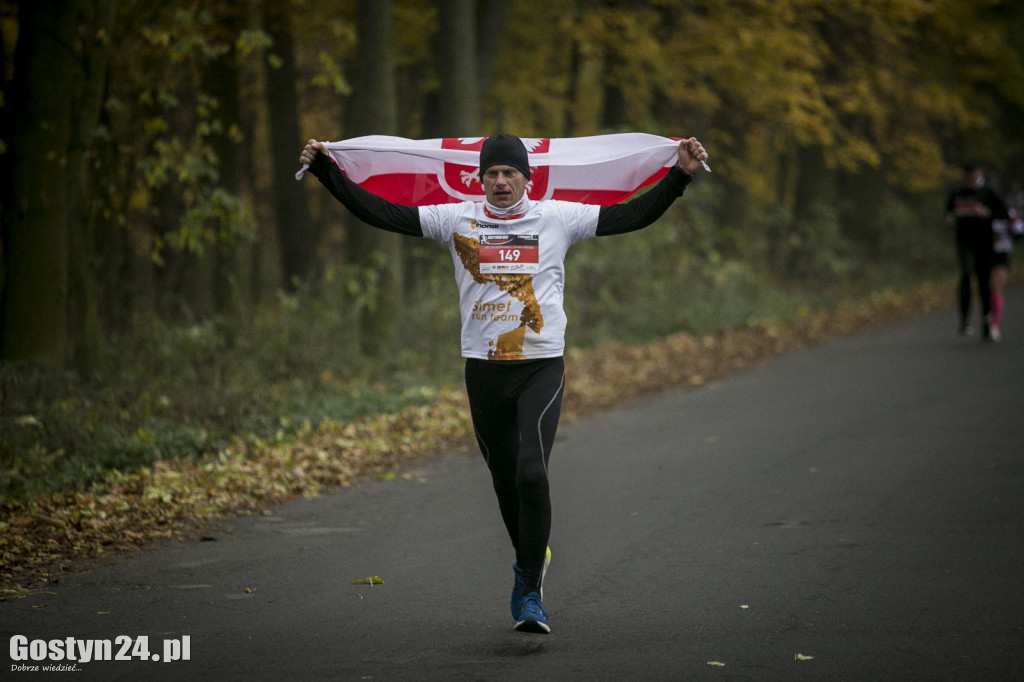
(848, 512)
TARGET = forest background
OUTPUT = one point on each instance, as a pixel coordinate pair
(169, 292)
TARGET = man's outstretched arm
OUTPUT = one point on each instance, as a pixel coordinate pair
(366, 206)
(640, 212)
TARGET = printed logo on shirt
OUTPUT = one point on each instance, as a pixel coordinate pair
(494, 312)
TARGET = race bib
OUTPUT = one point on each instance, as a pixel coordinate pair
(509, 254)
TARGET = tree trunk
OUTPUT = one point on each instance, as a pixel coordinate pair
(372, 109)
(814, 219)
(860, 208)
(459, 103)
(466, 46)
(33, 325)
(613, 104)
(570, 121)
(83, 311)
(490, 25)
(221, 79)
(733, 218)
(296, 236)
(815, 183)
(614, 113)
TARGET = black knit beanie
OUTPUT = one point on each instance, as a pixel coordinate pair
(504, 150)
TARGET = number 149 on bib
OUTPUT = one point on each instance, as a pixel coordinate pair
(509, 254)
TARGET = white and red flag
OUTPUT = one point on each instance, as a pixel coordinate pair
(600, 169)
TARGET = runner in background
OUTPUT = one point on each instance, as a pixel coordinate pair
(1004, 233)
(971, 208)
(509, 252)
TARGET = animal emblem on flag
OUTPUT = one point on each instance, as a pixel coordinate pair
(599, 169)
(459, 180)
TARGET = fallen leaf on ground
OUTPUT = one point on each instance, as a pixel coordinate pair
(371, 581)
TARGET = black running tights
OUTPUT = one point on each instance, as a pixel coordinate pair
(515, 408)
(975, 263)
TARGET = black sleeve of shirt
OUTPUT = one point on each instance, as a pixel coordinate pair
(640, 212)
(366, 206)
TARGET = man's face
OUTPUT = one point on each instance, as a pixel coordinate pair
(504, 186)
(974, 178)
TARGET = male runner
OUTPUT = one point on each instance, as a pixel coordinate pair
(509, 254)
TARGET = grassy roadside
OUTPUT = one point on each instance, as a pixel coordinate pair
(176, 500)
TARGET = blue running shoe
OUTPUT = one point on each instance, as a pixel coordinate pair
(518, 585)
(533, 617)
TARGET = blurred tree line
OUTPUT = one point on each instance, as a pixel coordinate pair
(148, 149)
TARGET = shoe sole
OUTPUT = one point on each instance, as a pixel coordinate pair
(533, 626)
